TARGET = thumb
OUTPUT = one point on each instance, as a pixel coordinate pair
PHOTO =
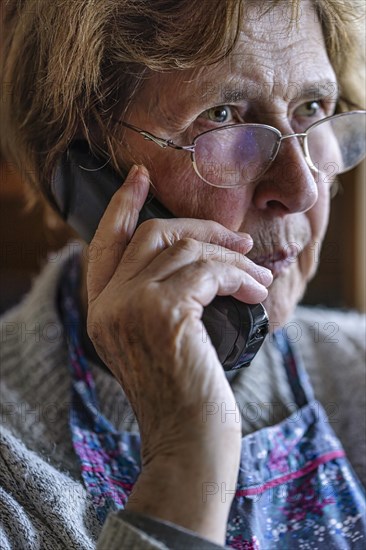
(115, 230)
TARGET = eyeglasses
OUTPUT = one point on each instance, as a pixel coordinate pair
(238, 154)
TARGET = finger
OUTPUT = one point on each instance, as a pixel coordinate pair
(187, 251)
(115, 229)
(198, 283)
(155, 236)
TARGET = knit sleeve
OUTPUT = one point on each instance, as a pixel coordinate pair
(138, 532)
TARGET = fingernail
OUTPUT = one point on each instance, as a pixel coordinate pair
(144, 171)
(264, 275)
(245, 236)
(244, 240)
(137, 171)
(133, 171)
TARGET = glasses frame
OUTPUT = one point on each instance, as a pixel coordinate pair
(303, 139)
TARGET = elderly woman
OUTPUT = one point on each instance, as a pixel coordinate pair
(121, 429)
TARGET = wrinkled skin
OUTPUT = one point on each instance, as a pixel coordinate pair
(145, 301)
(283, 74)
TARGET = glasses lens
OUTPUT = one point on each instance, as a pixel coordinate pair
(235, 155)
(338, 144)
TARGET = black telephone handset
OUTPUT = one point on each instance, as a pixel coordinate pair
(82, 186)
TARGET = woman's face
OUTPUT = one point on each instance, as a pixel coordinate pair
(278, 75)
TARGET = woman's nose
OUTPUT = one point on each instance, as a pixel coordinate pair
(289, 185)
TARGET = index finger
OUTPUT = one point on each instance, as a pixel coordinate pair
(116, 228)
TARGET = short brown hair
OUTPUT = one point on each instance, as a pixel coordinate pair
(70, 66)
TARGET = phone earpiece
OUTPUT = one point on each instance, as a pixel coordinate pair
(82, 187)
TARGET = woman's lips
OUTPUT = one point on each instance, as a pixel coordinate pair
(277, 262)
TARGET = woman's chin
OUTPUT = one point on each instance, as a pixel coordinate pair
(283, 296)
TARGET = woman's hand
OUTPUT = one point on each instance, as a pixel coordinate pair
(146, 295)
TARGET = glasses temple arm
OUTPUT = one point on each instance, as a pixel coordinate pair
(159, 141)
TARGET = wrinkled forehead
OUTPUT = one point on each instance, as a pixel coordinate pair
(279, 55)
(280, 47)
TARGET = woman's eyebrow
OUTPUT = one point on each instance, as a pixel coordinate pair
(293, 90)
(239, 92)
(219, 93)
(327, 89)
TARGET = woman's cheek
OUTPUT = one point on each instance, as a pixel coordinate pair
(283, 296)
(177, 193)
(195, 199)
(308, 261)
(318, 218)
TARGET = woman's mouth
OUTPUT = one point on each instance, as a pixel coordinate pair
(279, 261)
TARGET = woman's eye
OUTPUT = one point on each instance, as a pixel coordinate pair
(221, 113)
(309, 109)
